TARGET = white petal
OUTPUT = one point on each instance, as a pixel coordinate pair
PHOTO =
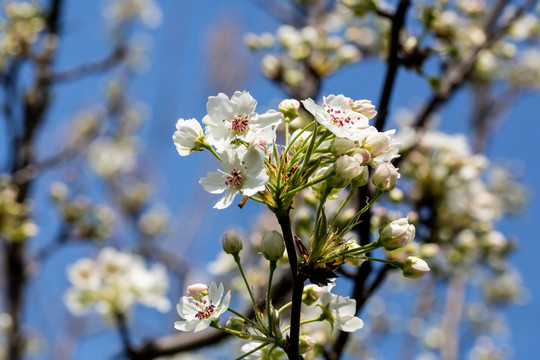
(215, 293)
(316, 110)
(203, 324)
(270, 118)
(245, 103)
(186, 325)
(349, 324)
(219, 108)
(214, 182)
(186, 308)
(226, 199)
(341, 102)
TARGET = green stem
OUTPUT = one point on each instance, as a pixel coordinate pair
(252, 351)
(357, 251)
(242, 335)
(273, 264)
(284, 307)
(352, 191)
(315, 319)
(211, 149)
(354, 220)
(237, 261)
(394, 263)
(308, 184)
(243, 317)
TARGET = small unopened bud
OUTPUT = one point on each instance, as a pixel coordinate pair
(232, 244)
(260, 143)
(363, 178)
(415, 267)
(347, 167)
(362, 155)
(197, 291)
(396, 234)
(364, 107)
(235, 323)
(341, 145)
(377, 143)
(385, 176)
(306, 343)
(311, 294)
(272, 246)
(289, 108)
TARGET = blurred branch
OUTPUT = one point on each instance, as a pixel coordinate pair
(456, 73)
(453, 310)
(116, 57)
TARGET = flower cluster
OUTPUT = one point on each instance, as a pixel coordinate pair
(20, 29)
(15, 222)
(114, 282)
(332, 153)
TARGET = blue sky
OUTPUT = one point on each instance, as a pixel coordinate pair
(175, 86)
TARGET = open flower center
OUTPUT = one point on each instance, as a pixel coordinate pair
(206, 310)
(338, 117)
(235, 179)
(240, 123)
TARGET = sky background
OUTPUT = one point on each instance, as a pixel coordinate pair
(176, 85)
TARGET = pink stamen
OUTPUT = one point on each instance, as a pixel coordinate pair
(240, 123)
(235, 179)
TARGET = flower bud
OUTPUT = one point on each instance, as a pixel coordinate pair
(235, 323)
(231, 242)
(289, 108)
(364, 107)
(363, 178)
(377, 143)
(362, 155)
(415, 267)
(396, 234)
(272, 246)
(385, 176)
(347, 167)
(197, 291)
(341, 145)
(311, 294)
(306, 343)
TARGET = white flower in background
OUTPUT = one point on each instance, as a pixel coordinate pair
(340, 311)
(244, 174)
(337, 115)
(120, 11)
(109, 158)
(113, 282)
(199, 312)
(188, 136)
(391, 148)
(232, 119)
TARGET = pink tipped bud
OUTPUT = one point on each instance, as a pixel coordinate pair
(377, 143)
(197, 291)
(396, 234)
(289, 108)
(232, 244)
(347, 167)
(364, 107)
(362, 155)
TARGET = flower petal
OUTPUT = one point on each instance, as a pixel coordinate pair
(214, 182)
(245, 103)
(227, 199)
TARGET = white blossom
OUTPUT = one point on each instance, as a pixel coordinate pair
(188, 136)
(244, 174)
(236, 118)
(337, 115)
(199, 313)
(341, 311)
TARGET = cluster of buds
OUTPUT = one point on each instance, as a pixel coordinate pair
(85, 220)
(15, 222)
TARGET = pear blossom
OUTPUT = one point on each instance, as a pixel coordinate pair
(199, 312)
(338, 116)
(234, 118)
(188, 136)
(415, 267)
(340, 311)
(243, 174)
(113, 282)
